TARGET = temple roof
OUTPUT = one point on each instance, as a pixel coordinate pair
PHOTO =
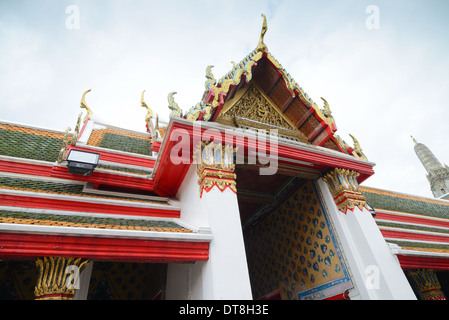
(288, 98)
(39, 197)
(79, 221)
(29, 142)
(120, 140)
(419, 225)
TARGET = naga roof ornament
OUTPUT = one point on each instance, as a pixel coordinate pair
(149, 111)
(176, 111)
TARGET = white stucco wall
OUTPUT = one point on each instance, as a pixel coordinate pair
(225, 275)
(375, 270)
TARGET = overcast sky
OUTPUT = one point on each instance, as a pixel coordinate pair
(385, 73)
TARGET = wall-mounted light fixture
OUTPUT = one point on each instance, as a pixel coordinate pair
(82, 162)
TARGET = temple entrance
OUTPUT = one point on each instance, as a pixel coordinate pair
(291, 248)
(108, 281)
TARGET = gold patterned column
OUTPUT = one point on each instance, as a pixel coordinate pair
(345, 189)
(427, 282)
(58, 277)
(215, 166)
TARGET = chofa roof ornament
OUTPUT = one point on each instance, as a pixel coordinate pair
(261, 47)
(84, 106)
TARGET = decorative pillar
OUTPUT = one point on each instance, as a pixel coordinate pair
(427, 282)
(215, 166)
(58, 277)
(345, 189)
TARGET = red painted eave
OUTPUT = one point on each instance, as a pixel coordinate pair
(15, 245)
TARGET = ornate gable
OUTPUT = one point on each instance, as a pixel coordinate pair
(252, 109)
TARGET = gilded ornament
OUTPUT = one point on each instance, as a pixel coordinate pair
(65, 142)
(84, 106)
(176, 112)
(345, 189)
(357, 149)
(428, 284)
(210, 79)
(261, 47)
(57, 277)
(215, 166)
(77, 131)
(149, 111)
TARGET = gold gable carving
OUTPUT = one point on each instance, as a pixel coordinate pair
(254, 111)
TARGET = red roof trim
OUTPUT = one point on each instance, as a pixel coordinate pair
(86, 206)
(99, 248)
(414, 262)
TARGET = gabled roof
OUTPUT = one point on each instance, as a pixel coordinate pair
(289, 99)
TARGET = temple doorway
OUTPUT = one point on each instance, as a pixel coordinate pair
(291, 247)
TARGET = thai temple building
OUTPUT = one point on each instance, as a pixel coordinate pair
(249, 195)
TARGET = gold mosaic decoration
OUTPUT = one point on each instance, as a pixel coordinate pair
(55, 274)
(294, 250)
(215, 166)
(427, 282)
(345, 189)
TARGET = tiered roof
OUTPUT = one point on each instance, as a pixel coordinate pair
(40, 199)
(418, 225)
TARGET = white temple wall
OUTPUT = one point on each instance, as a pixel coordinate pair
(375, 270)
(225, 275)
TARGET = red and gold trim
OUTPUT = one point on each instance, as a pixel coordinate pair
(427, 282)
(58, 277)
(215, 167)
(345, 189)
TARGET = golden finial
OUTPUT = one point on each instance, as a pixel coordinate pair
(414, 140)
(261, 46)
(150, 112)
(84, 106)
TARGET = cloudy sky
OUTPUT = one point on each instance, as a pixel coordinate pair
(382, 65)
